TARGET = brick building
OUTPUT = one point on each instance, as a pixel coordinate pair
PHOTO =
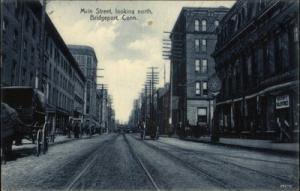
(257, 56)
(193, 40)
(22, 65)
(87, 61)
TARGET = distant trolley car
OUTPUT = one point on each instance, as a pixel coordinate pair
(23, 116)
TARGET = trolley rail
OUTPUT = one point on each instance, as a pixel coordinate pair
(191, 167)
(281, 178)
(135, 156)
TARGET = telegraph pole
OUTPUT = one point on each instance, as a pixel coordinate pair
(172, 50)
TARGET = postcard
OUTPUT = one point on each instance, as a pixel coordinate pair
(149, 95)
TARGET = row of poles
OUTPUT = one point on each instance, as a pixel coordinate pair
(149, 91)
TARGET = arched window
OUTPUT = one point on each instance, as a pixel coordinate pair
(203, 25)
(197, 23)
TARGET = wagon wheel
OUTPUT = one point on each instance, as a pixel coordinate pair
(34, 125)
(45, 138)
(38, 142)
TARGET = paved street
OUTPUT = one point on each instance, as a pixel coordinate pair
(116, 161)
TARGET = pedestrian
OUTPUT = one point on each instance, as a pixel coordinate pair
(69, 127)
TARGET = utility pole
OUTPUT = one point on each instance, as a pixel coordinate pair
(152, 80)
(103, 89)
(173, 51)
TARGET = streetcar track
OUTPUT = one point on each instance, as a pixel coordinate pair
(281, 178)
(240, 157)
(75, 180)
(135, 156)
(191, 167)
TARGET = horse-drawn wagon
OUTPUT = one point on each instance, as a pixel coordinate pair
(23, 116)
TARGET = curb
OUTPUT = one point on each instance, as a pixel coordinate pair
(265, 150)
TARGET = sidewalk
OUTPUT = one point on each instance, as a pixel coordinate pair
(251, 144)
(59, 139)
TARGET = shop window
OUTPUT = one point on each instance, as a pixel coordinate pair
(197, 45)
(202, 115)
(197, 25)
(203, 25)
(198, 91)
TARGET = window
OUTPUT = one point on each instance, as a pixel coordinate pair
(4, 25)
(282, 52)
(197, 43)
(296, 34)
(262, 4)
(294, 46)
(269, 58)
(216, 23)
(202, 115)
(204, 66)
(13, 72)
(203, 25)
(204, 88)
(32, 52)
(198, 88)
(203, 47)
(249, 66)
(197, 25)
(197, 65)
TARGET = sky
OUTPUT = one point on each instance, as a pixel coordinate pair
(124, 49)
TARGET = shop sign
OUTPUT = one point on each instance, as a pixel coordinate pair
(282, 101)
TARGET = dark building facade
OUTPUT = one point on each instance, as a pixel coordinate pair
(257, 57)
(193, 40)
(163, 109)
(22, 63)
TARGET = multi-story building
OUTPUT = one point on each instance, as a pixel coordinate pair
(22, 60)
(20, 42)
(79, 82)
(163, 109)
(193, 40)
(257, 57)
(87, 61)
